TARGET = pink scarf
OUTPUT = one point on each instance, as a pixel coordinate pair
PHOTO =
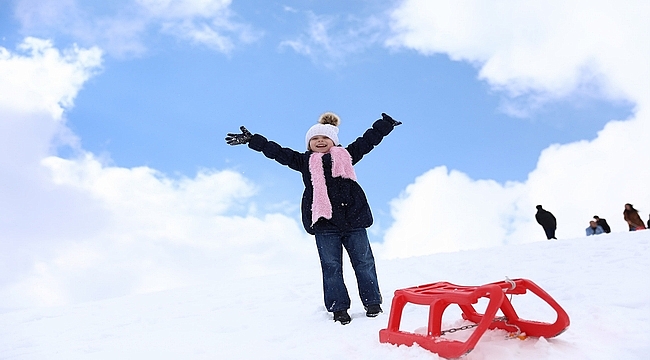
(341, 167)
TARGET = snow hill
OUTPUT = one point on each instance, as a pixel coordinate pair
(601, 281)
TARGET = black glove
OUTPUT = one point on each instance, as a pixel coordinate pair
(238, 139)
(390, 119)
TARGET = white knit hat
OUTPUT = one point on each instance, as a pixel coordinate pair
(327, 126)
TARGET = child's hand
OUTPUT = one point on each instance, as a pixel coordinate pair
(238, 139)
(390, 119)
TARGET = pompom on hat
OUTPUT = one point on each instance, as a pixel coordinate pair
(327, 126)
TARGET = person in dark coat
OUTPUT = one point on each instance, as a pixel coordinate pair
(603, 224)
(548, 222)
(631, 216)
(334, 206)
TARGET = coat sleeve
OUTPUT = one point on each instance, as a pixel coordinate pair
(273, 150)
(371, 138)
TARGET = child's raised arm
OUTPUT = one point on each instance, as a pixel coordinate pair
(372, 137)
(270, 149)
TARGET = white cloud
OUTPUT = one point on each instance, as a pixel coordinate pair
(78, 229)
(122, 27)
(330, 40)
(206, 22)
(156, 234)
(548, 47)
(545, 51)
(182, 9)
(42, 79)
(443, 206)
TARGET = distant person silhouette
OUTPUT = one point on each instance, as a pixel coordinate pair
(548, 222)
(594, 228)
(603, 224)
(631, 216)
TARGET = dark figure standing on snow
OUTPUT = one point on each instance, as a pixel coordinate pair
(594, 228)
(548, 222)
(631, 216)
(334, 206)
(648, 222)
(603, 224)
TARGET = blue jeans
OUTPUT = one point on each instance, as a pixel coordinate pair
(330, 246)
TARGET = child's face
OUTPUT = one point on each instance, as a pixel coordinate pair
(320, 143)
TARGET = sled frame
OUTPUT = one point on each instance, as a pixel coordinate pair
(438, 296)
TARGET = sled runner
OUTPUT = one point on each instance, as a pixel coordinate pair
(441, 294)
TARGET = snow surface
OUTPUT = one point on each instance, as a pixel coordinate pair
(601, 281)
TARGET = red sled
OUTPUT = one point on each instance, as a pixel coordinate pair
(441, 294)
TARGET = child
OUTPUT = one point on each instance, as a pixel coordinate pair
(334, 207)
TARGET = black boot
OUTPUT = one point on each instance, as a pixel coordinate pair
(342, 317)
(373, 310)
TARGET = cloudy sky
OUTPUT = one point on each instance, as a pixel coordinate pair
(116, 179)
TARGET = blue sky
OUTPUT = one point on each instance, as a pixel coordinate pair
(169, 106)
(113, 117)
(172, 110)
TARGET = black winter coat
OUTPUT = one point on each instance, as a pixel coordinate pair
(546, 219)
(350, 209)
(603, 224)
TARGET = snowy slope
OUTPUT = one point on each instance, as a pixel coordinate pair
(601, 281)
